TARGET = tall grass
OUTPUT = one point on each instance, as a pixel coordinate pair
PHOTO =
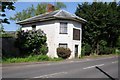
(35, 58)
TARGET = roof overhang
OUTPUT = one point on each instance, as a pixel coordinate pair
(33, 21)
(51, 18)
(56, 15)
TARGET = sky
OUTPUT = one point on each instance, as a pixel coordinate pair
(22, 4)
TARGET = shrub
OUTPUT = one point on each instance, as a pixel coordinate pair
(118, 42)
(31, 42)
(117, 51)
(103, 49)
(106, 50)
(86, 49)
(43, 49)
(63, 52)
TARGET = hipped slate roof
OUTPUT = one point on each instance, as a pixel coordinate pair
(58, 14)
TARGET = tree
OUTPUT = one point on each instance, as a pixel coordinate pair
(32, 11)
(41, 8)
(6, 5)
(1, 29)
(29, 12)
(59, 5)
(102, 23)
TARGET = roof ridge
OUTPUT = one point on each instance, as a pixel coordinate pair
(64, 11)
(74, 15)
(37, 16)
(57, 14)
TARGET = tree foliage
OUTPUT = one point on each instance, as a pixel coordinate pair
(103, 23)
(59, 5)
(31, 42)
(1, 29)
(32, 11)
(6, 5)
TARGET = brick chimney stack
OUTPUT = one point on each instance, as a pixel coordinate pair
(50, 8)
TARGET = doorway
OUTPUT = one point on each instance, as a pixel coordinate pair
(76, 51)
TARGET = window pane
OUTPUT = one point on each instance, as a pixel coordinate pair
(63, 45)
(76, 34)
(63, 27)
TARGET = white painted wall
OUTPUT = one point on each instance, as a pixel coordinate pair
(26, 28)
(51, 28)
(68, 38)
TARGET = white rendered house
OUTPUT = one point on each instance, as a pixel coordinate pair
(62, 29)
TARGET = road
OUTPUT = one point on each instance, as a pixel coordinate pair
(68, 69)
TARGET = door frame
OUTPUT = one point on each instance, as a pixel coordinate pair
(76, 51)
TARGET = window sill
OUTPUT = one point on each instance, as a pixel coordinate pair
(76, 39)
(63, 33)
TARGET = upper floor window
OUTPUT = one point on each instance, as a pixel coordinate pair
(33, 27)
(76, 34)
(63, 28)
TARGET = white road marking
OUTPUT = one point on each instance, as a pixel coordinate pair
(115, 62)
(10, 68)
(50, 75)
(93, 66)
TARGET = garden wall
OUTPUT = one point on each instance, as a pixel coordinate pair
(8, 48)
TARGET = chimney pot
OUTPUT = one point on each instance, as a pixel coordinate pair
(50, 8)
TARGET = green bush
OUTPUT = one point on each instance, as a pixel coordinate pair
(63, 52)
(103, 49)
(106, 50)
(31, 42)
(118, 42)
(117, 51)
(86, 50)
(43, 49)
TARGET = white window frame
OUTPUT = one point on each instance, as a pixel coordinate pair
(64, 45)
(63, 28)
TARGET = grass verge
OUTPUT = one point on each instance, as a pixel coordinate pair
(97, 56)
(35, 58)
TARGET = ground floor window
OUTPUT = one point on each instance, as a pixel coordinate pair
(64, 45)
